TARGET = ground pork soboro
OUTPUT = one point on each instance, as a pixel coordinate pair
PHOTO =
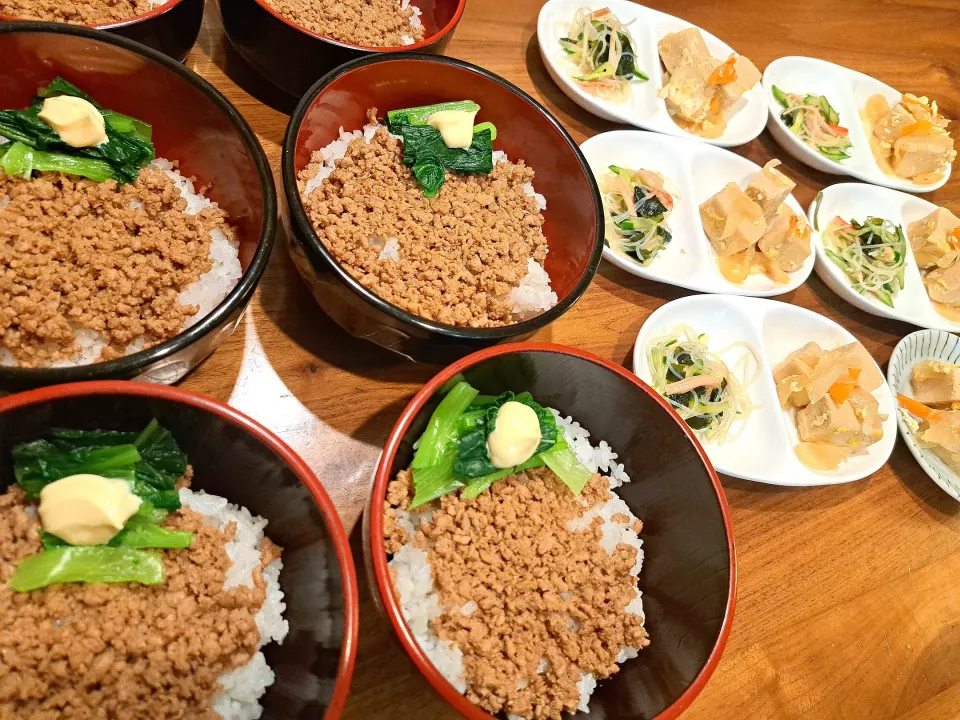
(79, 12)
(370, 23)
(541, 591)
(111, 258)
(461, 252)
(103, 652)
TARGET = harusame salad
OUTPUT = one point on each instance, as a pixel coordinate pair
(873, 254)
(813, 119)
(698, 384)
(637, 205)
(604, 53)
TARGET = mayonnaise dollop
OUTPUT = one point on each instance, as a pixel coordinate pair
(455, 126)
(516, 436)
(86, 509)
(78, 123)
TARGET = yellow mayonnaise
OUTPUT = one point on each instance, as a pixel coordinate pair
(86, 509)
(455, 126)
(78, 123)
(516, 436)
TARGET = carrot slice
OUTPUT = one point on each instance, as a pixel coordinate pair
(839, 130)
(724, 74)
(598, 13)
(916, 408)
(919, 126)
(844, 386)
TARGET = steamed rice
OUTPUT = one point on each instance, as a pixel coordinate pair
(420, 598)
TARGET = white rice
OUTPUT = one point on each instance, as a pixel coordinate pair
(419, 598)
(207, 292)
(244, 686)
(532, 295)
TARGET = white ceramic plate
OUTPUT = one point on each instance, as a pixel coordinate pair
(857, 201)
(848, 92)
(698, 171)
(643, 108)
(764, 449)
(917, 346)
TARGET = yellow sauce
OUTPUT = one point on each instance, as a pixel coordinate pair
(516, 436)
(711, 128)
(78, 123)
(86, 509)
(455, 126)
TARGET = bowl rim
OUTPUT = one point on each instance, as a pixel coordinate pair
(114, 25)
(384, 585)
(427, 41)
(317, 250)
(348, 575)
(241, 293)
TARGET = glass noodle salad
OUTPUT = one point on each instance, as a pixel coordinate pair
(699, 385)
(603, 51)
(636, 204)
(812, 119)
(873, 254)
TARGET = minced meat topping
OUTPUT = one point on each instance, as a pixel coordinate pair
(370, 23)
(79, 12)
(87, 652)
(458, 254)
(531, 603)
(77, 254)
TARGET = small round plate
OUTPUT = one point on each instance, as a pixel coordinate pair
(917, 346)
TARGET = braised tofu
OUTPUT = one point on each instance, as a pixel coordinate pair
(867, 410)
(931, 240)
(921, 153)
(890, 128)
(943, 284)
(747, 76)
(824, 421)
(936, 383)
(769, 188)
(787, 240)
(835, 364)
(732, 221)
(684, 46)
(799, 362)
(687, 93)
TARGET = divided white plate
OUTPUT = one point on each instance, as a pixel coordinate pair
(698, 171)
(848, 92)
(643, 108)
(764, 449)
(857, 201)
(917, 346)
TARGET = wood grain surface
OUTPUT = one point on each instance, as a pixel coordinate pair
(848, 602)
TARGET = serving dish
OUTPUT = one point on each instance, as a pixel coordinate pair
(237, 458)
(923, 345)
(698, 171)
(763, 451)
(192, 122)
(171, 27)
(848, 91)
(689, 576)
(293, 58)
(643, 108)
(854, 200)
(573, 227)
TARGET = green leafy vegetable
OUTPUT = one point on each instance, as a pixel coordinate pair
(34, 475)
(128, 148)
(562, 460)
(419, 115)
(96, 564)
(443, 423)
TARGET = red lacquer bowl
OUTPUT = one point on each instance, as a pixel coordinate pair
(237, 458)
(525, 130)
(293, 58)
(689, 571)
(171, 28)
(192, 123)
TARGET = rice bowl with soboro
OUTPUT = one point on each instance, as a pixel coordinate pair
(101, 577)
(422, 211)
(514, 562)
(79, 12)
(148, 258)
(365, 23)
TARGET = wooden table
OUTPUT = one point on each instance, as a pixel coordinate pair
(848, 602)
